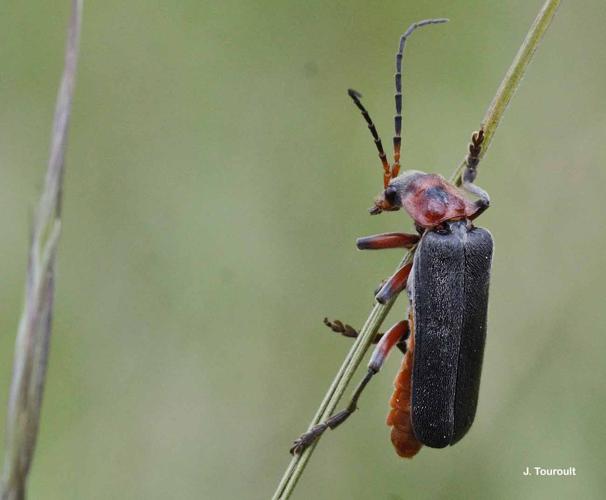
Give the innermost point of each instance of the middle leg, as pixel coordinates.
(394, 285)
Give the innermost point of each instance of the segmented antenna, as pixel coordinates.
(397, 139)
(355, 95)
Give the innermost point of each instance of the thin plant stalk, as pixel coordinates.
(378, 313)
(33, 335)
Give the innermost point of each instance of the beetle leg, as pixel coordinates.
(349, 331)
(387, 240)
(394, 285)
(394, 336)
(470, 173)
(386, 344)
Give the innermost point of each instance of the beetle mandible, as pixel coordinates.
(436, 389)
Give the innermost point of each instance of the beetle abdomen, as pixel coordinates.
(449, 298)
(402, 435)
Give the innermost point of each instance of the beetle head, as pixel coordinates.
(392, 197)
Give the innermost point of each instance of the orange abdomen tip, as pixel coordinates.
(402, 435)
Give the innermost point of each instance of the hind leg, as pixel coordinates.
(388, 341)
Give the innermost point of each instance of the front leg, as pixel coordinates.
(470, 173)
(387, 240)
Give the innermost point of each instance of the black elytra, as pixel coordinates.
(448, 290)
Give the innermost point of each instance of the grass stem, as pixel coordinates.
(34, 332)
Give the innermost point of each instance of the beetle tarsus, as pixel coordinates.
(473, 156)
(316, 431)
(470, 173)
(475, 147)
(339, 327)
(308, 438)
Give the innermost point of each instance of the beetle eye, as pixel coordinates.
(442, 229)
(391, 195)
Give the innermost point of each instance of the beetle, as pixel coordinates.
(436, 389)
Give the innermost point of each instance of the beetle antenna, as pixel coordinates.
(397, 139)
(355, 95)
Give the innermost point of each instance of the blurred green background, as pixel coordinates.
(217, 178)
